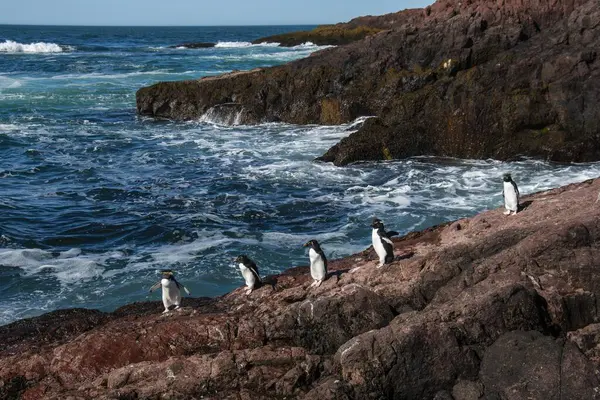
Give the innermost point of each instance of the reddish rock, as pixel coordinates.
(504, 307)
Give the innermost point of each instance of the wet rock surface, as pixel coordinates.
(503, 308)
(472, 79)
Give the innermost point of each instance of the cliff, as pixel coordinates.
(488, 307)
(472, 79)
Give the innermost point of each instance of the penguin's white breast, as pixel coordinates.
(510, 195)
(247, 274)
(377, 243)
(314, 256)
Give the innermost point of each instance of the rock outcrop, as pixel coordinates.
(471, 79)
(342, 33)
(334, 35)
(490, 307)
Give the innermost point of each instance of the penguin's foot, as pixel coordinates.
(313, 284)
(318, 283)
(514, 213)
(177, 307)
(507, 212)
(380, 265)
(166, 311)
(353, 270)
(248, 291)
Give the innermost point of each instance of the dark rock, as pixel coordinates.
(467, 390)
(475, 79)
(194, 45)
(528, 365)
(54, 327)
(503, 308)
(336, 35)
(443, 395)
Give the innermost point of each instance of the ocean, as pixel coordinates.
(95, 200)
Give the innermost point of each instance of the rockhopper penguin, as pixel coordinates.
(318, 262)
(249, 271)
(383, 245)
(171, 293)
(511, 195)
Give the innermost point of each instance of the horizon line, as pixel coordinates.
(169, 26)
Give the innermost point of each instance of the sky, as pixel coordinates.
(194, 12)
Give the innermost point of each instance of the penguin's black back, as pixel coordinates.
(251, 265)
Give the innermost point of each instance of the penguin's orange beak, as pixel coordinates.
(306, 244)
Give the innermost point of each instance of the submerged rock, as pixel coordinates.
(194, 45)
(476, 79)
(504, 307)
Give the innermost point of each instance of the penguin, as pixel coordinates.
(318, 262)
(511, 195)
(249, 271)
(171, 293)
(383, 245)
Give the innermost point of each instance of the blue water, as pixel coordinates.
(94, 199)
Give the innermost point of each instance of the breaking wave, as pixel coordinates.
(10, 46)
(244, 44)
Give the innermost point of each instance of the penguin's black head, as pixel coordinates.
(507, 178)
(312, 243)
(377, 224)
(167, 273)
(242, 259)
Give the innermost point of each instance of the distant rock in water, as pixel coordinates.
(502, 308)
(322, 36)
(197, 45)
(472, 79)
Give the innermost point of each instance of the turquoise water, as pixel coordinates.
(94, 199)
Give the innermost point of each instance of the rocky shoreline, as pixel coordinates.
(475, 79)
(488, 307)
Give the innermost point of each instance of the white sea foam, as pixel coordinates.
(10, 46)
(308, 45)
(7, 82)
(221, 116)
(96, 76)
(8, 127)
(68, 267)
(273, 56)
(244, 44)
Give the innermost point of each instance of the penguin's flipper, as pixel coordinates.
(388, 245)
(392, 233)
(254, 269)
(387, 240)
(322, 254)
(155, 286)
(186, 290)
(516, 190)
